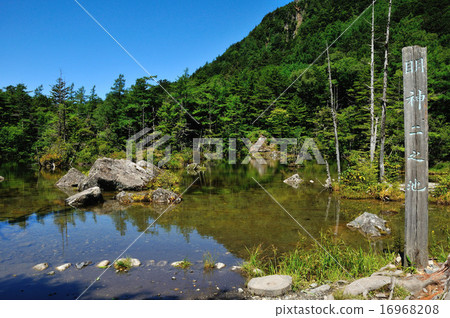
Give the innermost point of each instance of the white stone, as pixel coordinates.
(236, 268)
(219, 265)
(63, 267)
(313, 285)
(312, 181)
(176, 264)
(103, 264)
(161, 263)
(273, 285)
(40, 267)
(240, 290)
(135, 262)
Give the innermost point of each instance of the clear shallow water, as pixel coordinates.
(224, 213)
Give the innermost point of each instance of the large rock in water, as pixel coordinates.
(113, 174)
(370, 224)
(71, 179)
(87, 197)
(273, 285)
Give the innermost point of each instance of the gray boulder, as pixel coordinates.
(273, 285)
(71, 179)
(366, 284)
(85, 198)
(165, 196)
(113, 174)
(370, 225)
(294, 181)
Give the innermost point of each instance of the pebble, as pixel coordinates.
(257, 271)
(51, 273)
(63, 267)
(103, 264)
(40, 267)
(174, 278)
(151, 262)
(312, 181)
(380, 295)
(236, 268)
(161, 263)
(240, 290)
(219, 265)
(313, 285)
(198, 289)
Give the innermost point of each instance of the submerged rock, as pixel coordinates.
(87, 197)
(370, 224)
(113, 174)
(273, 285)
(294, 181)
(71, 179)
(63, 267)
(82, 264)
(161, 263)
(40, 267)
(51, 273)
(165, 196)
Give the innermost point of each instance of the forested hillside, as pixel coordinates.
(74, 125)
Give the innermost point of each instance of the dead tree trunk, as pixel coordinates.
(373, 136)
(383, 108)
(333, 114)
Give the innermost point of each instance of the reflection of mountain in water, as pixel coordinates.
(226, 205)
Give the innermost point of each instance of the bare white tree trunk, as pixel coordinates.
(333, 114)
(373, 136)
(383, 108)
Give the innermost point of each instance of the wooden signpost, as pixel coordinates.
(415, 96)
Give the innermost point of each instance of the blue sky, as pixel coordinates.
(40, 38)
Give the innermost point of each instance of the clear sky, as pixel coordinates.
(40, 38)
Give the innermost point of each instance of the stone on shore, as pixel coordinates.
(63, 267)
(294, 181)
(87, 197)
(40, 267)
(165, 196)
(103, 264)
(273, 285)
(320, 290)
(113, 174)
(370, 225)
(366, 284)
(71, 179)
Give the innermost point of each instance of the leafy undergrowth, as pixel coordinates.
(328, 260)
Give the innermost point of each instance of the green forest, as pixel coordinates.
(73, 125)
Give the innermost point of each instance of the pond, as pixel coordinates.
(223, 214)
